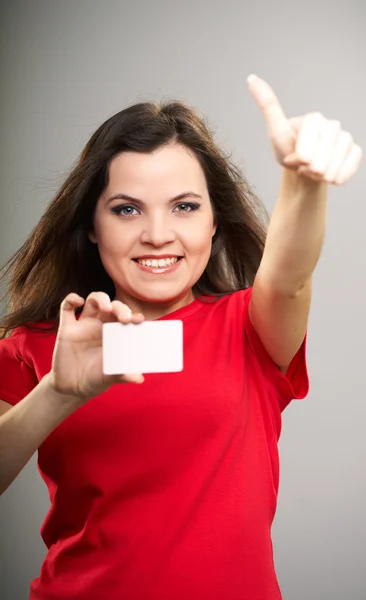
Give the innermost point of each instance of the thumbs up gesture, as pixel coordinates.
(315, 147)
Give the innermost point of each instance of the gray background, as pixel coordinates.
(68, 65)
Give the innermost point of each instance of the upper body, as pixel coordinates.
(170, 485)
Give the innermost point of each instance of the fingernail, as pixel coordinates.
(251, 78)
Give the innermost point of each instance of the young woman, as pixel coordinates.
(165, 490)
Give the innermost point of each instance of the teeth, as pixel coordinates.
(163, 262)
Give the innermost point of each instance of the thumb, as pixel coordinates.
(132, 378)
(278, 126)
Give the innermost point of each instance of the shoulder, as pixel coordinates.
(10, 346)
(232, 301)
(24, 340)
(227, 313)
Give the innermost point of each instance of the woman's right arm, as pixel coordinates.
(25, 426)
(76, 376)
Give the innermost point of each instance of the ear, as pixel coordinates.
(214, 229)
(91, 236)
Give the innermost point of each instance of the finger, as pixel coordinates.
(325, 146)
(132, 378)
(340, 153)
(296, 123)
(309, 174)
(278, 126)
(67, 308)
(124, 313)
(124, 378)
(137, 318)
(350, 165)
(294, 161)
(96, 303)
(119, 313)
(308, 137)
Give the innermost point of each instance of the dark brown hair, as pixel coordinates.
(58, 258)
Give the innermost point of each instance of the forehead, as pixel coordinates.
(169, 166)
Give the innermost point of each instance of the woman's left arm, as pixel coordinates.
(314, 152)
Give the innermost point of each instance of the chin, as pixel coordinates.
(159, 296)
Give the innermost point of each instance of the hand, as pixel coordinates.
(317, 148)
(77, 365)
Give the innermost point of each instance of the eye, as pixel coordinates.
(126, 210)
(118, 210)
(191, 206)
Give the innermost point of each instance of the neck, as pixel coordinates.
(153, 310)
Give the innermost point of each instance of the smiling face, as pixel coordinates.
(155, 205)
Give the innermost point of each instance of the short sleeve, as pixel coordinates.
(294, 385)
(17, 378)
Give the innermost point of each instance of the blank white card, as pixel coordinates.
(148, 347)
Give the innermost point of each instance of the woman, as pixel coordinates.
(165, 490)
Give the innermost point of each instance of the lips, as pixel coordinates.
(158, 263)
(158, 270)
(155, 257)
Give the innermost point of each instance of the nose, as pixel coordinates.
(157, 232)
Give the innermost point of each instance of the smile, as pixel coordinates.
(163, 262)
(158, 266)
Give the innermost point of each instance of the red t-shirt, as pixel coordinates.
(165, 490)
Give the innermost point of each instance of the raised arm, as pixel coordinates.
(314, 152)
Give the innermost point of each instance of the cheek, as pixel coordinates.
(112, 241)
(201, 239)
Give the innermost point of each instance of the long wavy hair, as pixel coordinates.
(58, 257)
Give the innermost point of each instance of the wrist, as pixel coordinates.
(296, 184)
(67, 402)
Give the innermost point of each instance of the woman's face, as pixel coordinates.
(155, 206)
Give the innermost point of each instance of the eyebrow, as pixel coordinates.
(142, 203)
